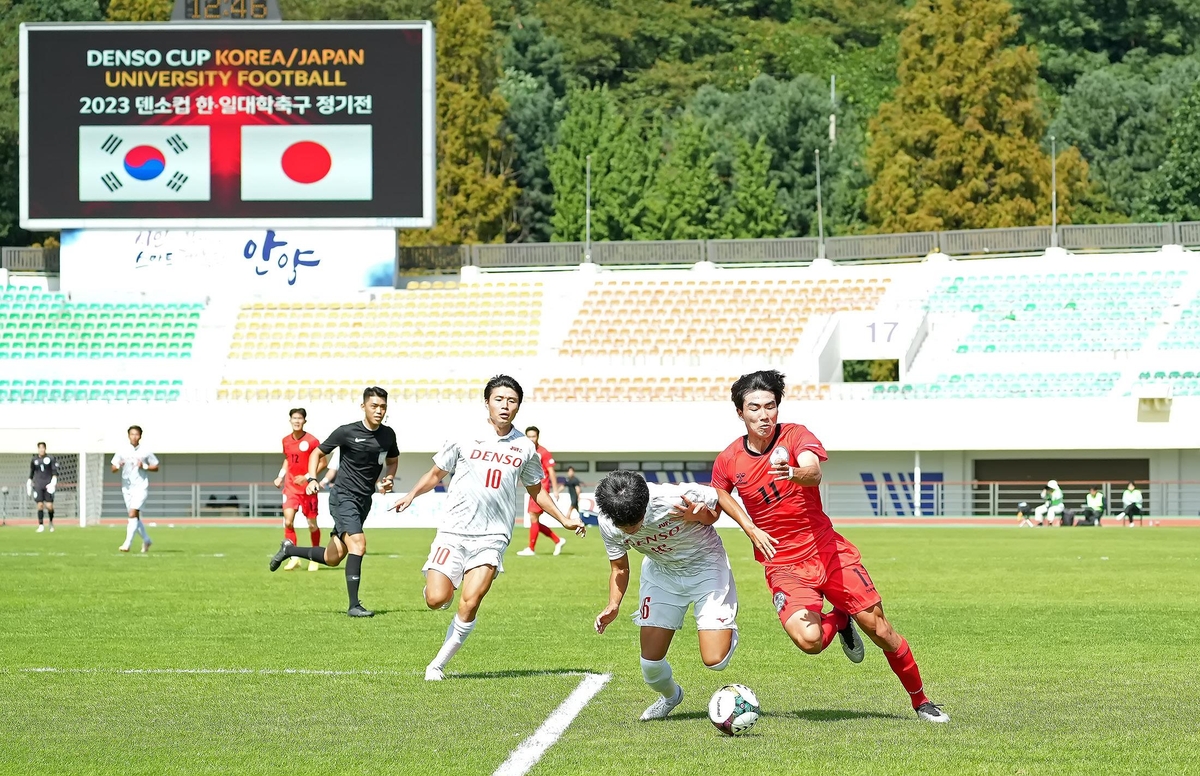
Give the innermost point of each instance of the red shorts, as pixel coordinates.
(836, 574)
(301, 501)
(534, 509)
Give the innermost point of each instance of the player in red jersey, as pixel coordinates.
(776, 470)
(293, 477)
(551, 486)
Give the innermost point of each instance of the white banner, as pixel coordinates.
(277, 263)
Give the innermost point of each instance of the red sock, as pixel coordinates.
(290, 534)
(315, 535)
(533, 532)
(905, 668)
(832, 622)
(546, 530)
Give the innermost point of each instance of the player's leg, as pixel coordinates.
(798, 601)
(130, 527)
(715, 609)
(41, 518)
(346, 520)
(141, 529)
(289, 530)
(314, 533)
(533, 514)
(660, 614)
(356, 548)
(443, 570)
(48, 501)
(476, 583)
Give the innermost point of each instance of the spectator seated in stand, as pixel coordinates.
(1131, 504)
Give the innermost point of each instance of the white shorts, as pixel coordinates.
(135, 498)
(665, 598)
(455, 554)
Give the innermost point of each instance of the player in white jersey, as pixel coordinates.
(490, 472)
(684, 564)
(133, 461)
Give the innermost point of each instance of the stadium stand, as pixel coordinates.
(405, 389)
(89, 390)
(1057, 312)
(641, 389)
(42, 324)
(459, 321)
(631, 317)
(997, 385)
(1185, 334)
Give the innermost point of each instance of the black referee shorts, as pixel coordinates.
(348, 512)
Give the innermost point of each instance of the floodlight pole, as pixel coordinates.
(1053, 193)
(820, 214)
(587, 219)
(917, 483)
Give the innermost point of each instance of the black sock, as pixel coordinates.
(312, 553)
(40, 521)
(353, 574)
(50, 516)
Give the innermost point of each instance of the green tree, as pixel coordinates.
(619, 199)
(1118, 118)
(139, 10)
(793, 118)
(589, 126)
(754, 210)
(1077, 36)
(959, 145)
(683, 201)
(475, 190)
(1173, 190)
(356, 10)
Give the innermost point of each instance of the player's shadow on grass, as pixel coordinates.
(810, 715)
(521, 673)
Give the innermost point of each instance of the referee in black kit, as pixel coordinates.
(367, 447)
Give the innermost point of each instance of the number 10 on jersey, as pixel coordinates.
(492, 478)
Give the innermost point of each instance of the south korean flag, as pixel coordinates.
(144, 164)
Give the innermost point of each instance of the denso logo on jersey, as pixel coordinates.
(487, 456)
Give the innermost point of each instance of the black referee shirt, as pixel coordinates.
(363, 455)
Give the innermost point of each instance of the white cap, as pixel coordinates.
(1052, 484)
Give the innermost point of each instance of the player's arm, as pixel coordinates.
(555, 488)
(758, 537)
(53, 476)
(150, 464)
(546, 502)
(389, 474)
(331, 470)
(282, 472)
(29, 482)
(116, 462)
(428, 482)
(807, 470)
(618, 583)
(316, 461)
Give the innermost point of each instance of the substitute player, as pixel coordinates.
(366, 447)
(293, 477)
(42, 482)
(491, 469)
(550, 485)
(133, 461)
(776, 468)
(684, 565)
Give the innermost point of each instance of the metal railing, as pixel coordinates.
(800, 250)
(29, 259)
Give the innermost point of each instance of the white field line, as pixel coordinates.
(525, 756)
(258, 671)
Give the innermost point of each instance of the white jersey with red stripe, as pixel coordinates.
(675, 545)
(488, 477)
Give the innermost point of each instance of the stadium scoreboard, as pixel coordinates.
(198, 124)
(226, 10)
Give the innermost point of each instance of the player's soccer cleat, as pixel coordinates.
(146, 547)
(558, 545)
(123, 548)
(852, 643)
(931, 712)
(663, 706)
(292, 564)
(526, 552)
(51, 529)
(359, 611)
(41, 528)
(313, 565)
(434, 674)
(278, 557)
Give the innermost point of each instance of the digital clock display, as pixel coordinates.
(226, 10)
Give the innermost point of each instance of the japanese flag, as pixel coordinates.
(143, 164)
(328, 162)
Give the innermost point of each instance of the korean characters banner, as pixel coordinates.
(203, 126)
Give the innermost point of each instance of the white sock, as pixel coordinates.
(657, 674)
(141, 529)
(130, 530)
(456, 634)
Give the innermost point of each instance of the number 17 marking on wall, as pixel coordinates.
(891, 331)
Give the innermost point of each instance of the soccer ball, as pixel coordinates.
(734, 709)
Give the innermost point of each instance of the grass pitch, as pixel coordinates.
(1053, 651)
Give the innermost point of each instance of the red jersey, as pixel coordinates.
(789, 512)
(547, 462)
(296, 453)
